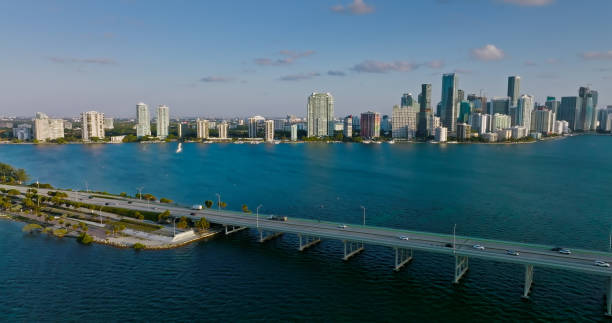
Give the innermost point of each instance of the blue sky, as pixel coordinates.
(239, 58)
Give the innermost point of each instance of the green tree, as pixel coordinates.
(165, 200)
(182, 223)
(245, 209)
(223, 205)
(13, 192)
(208, 203)
(162, 217)
(138, 246)
(85, 239)
(32, 227)
(138, 215)
(60, 233)
(202, 224)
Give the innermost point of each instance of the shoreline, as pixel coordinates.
(248, 141)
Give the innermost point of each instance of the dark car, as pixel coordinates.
(192, 213)
(277, 218)
(556, 249)
(448, 245)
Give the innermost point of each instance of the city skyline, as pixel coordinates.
(201, 58)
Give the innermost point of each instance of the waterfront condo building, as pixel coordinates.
(163, 121)
(449, 105)
(481, 122)
(255, 124)
(92, 125)
(404, 122)
(46, 128)
(542, 120)
(500, 121)
(320, 115)
(523, 112)
(269, 130)
(370, 125)
(143, 120)
(464, 131)
(500, 105)
(222, 128)
(348, 127)
(569, 110)
(440, 134)
(23, 132)
(294, 129)
(202, 128)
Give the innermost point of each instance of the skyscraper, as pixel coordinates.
(46, 128)
(348, 127)
(449, 102)
(222, 128)
(523, 112)
(294, 130)
(92, 125)
(514, 88)
(587, 110)
(320, 112)
(425, 112)
(269, 130)
(163, 121)
(407, 100)
(370, 125)
(465, 110)
(143, 121)
(569, 111)
(404, 122)
(202, 128)
(500, 105)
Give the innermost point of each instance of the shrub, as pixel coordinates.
(138, 246)
(85, 239)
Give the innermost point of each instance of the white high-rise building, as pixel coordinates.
(441, 134)
(519, 132)
(561, 127)
(46, 128)
(320, 114)
(542, 121)
(481, 122)
(255, 125)
(92, 125)
(348, 127)
(500, 121)
(163, 121)
(523, 112)
(269, 130)
(404, 121)
(202, 128)
(294, 130)
(143, 120)
(222, 128)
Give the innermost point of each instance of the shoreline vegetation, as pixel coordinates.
(46, 210)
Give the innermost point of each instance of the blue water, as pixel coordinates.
(553, 192)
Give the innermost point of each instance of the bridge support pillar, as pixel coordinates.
(229, 229)
(351, 248)
(528, 280)
(265, 237)
(307, 241)
(402, 257)
(461, 267)
(609, 298)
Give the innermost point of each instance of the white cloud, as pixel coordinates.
(435, 63)
(336, 73)
(216, 79)
(530, 3)
(370, 66)
(290, 57)
(72, 60)
(299, 77)
(357, 7)
(488, 53)
(596, 55)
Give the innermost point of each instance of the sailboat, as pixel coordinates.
(179, 148)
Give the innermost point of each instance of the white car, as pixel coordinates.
(478, 247)
(342, 226)
(513, 252)
(565, 251)
(601, 263)
(404, 238)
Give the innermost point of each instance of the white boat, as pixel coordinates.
(391, 141)
(179, 148)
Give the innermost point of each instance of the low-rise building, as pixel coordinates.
(489, 137)
(519, 132)
(23, 132)
(116, 139)
(464, 131)
(441, 134)
(504, 134)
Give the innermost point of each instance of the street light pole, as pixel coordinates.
(364, 212)
(174, 227)
(257, 211)
(139, 189)
(218, 202)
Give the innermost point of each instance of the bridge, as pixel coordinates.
(402, 243)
